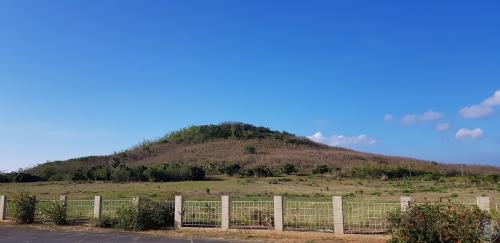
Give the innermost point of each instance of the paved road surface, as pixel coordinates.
(20, 234)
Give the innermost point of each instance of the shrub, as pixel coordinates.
(321, 169)
(249, 150)
(4, 178)
(26, 177)
(289, 169)
(438, 223)
(231, 169)
(146, 214)
(105, 221)
(114, 162)
(55, 211)
(195, 173)
(262, 171)
(24, 208)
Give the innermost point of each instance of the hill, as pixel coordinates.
(213, 146)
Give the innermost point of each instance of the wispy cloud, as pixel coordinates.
(441, 127)
(388, 118)
(341, 140)
(466, 133)
(476, 111)
(482, 110)
(427, 116)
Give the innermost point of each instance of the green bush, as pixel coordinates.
(439, 222)
(262, 171)
(24, 208)
(289, 169)
(249, 150)
(105, 221)
(231, 169)
(146, 214)
(321, 169)
(55, 211)
(195, 173)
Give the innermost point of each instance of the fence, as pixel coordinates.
(203, 214)
(252, 214)
(110, 207)
(293, 215)
(368, 217)
(308, 216)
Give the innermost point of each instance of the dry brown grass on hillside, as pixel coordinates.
(271, 153)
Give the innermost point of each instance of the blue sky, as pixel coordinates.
(92, 77)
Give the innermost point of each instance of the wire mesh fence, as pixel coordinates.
(204, 214)
(80, 210)
(368, 217)
(10, 210)
(169, 207)
(252, 214)
(308, 216)
(40, 205)
(110, 207)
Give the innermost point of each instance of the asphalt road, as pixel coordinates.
(19, 235)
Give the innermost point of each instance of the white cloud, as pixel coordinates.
(469, 133)
(493, 100)
(476, 111)
(341, 140)
(431, 116)
(442, 127)
(427, 116)
(482, 110)
(409, 119)
(317, 137)
(388, 118)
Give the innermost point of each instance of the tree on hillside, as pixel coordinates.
(114, 162)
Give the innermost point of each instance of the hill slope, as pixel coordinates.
(225, 143)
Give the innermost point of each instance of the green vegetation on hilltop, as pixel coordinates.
(228, 130)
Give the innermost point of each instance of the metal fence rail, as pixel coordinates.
(368, 217)
(204, 214)
(80, 210)
(308, 216)
(110, 207)
(252, 214)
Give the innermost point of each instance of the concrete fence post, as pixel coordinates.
(338, 215)
(405, 203)
(3, 207)
(97, 207)
(483, 203)
(178, 212)
(135, 202)
(278, 213)
(226, 212)
(64, 202)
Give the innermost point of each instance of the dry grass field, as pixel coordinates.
(307, 187)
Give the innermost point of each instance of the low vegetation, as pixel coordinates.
(439, 222)
(24, 208)
(145, 214)
(55, 212)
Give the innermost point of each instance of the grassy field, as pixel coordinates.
(309, 187)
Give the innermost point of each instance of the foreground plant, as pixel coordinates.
(24, 205)
(440, 222)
